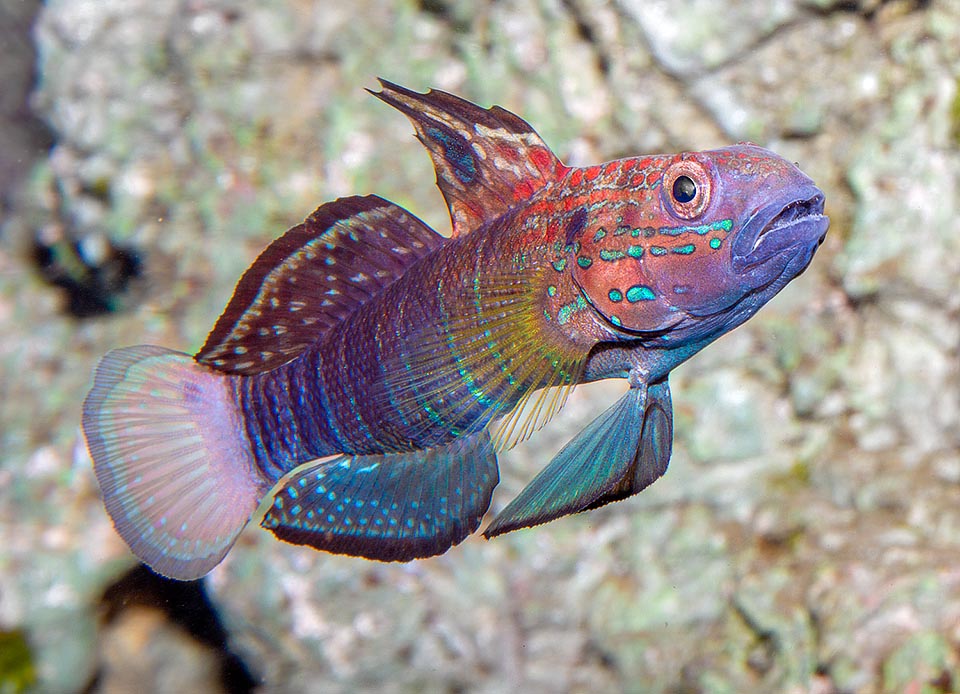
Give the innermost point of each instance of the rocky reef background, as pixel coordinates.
(807, 535)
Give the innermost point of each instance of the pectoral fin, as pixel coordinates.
(620, 453)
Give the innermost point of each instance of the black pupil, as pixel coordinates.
(684, 189)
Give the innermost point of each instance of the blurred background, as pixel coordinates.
(807, 535)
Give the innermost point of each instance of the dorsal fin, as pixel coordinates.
(311, 278)
(487, 160)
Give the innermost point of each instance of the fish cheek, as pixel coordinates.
(620, 290)
(699, 284)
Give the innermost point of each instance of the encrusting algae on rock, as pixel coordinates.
(412, 358)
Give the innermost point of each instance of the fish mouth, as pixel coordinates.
(780, 226)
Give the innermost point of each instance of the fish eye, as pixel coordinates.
(686, 188)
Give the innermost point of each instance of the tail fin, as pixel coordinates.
(168, 450)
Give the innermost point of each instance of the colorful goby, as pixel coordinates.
(367, 370)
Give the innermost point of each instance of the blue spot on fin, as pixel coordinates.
(620, 453)
(456, 151)
(389, 507)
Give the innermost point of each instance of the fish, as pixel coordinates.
(367, 370)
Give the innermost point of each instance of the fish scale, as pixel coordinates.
(367, 370)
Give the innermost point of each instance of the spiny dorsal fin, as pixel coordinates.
(487, 160)
(311, 278)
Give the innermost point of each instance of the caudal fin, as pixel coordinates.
(176, 475)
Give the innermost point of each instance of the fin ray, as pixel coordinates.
(486, 359)
(175, 476)
(621, 452)
(388, 507)
(311, 278)
(487, 160)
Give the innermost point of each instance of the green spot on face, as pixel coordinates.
(621, 230)
(601, 232)
(635, 251)
(615, 321)
(585, 262)
(615, 295)
(559, 265)
(715, 243)
(685, 250)
(635, 233)
(640, 292)
(608, 255)
(551, 290)
(725, 224)
(658, 250)
(566, 311)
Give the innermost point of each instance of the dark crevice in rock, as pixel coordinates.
(94, 282)
(586, 32)
(186, 605)
(868, 9)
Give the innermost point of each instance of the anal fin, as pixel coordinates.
(389, 507)
(620, 453)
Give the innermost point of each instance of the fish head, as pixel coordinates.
(709, 238)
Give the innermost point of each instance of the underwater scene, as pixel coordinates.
(447, 346)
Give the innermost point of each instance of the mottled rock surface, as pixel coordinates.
(807, 535)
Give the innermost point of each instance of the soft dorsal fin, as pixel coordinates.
(311, 278)
(487, 160)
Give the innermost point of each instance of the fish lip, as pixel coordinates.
(800, 213)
